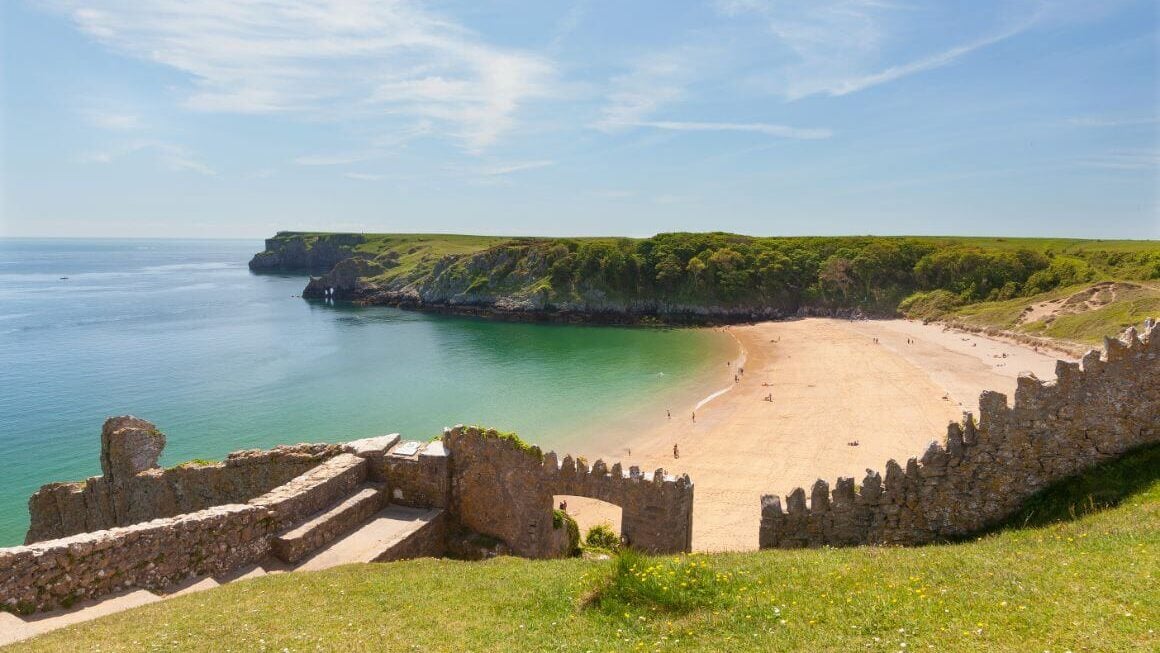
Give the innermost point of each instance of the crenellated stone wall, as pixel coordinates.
(134, 489)
(504, 489)
(982, 473)
(471, 478)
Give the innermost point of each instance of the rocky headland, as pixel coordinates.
(700, 278)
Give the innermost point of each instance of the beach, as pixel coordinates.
(818, 398)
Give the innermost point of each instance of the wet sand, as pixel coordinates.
(831, 384)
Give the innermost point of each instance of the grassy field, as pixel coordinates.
(1075, 321)
(1084, 578)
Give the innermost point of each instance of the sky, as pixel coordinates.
(222, 118)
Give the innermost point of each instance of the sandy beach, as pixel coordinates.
(891, 386)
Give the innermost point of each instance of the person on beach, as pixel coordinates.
(676, 452)
(669, 414)
(694, 415)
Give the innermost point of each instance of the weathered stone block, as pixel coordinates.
(129, 445)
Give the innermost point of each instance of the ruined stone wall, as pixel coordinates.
(156, 554)
(420, 479)
(983, 473)
(133, 489)
(656, 509)
(315, 489)
(505, 490)
(150, 555)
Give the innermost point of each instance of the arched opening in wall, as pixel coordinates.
(590, 512)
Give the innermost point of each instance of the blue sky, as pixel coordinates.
(218, 118)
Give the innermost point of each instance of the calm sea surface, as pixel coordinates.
(181, 333)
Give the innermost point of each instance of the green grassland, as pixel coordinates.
(1076, 322)
(1076, 570)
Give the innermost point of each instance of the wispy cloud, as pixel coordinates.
(837, 47)
(336, 159)
(1090, 121)
(613, 193)
(1124, 160)
(170, 155)
(779, 131)
(364, 176)
(384, 61)
(652, 82)
(508, 168)
(113, 120)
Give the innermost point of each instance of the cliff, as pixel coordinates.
(691, 278)
(290, 251)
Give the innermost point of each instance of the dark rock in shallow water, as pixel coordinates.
(346, 280)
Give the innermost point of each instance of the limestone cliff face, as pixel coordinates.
(288, 251)
(511, 280)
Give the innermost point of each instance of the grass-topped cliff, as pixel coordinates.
(1070, 573)
(712, 276)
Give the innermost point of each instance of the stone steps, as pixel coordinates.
(395, 532)
(326, 526)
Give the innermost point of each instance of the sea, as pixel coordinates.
(181, 333)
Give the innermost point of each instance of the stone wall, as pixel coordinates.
(503, 488)
(133, 489)
(420, 479)
(156, 554)
(657, 509)
(151, 555)
(983, 473)
(317, 488)
(479, 480)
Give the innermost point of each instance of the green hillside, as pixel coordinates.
(1074, 577)
(713, 276)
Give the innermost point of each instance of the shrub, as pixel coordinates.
(929, 305)
(601, 536)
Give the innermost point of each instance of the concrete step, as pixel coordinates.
(324, 527)
(395, 529)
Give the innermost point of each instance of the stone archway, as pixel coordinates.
(589, 512)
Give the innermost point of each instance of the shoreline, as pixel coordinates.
(832, 385)
(737, 363)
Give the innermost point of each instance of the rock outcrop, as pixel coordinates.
(290, 251)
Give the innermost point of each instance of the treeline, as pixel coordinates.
(873, 273)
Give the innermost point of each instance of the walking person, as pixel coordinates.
(676, 452)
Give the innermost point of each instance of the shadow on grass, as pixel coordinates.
(1101, 487)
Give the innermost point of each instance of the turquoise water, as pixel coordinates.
(182, 334)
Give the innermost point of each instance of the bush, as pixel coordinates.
(601, 536)
(930, 305)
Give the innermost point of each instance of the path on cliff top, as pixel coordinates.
(831, 385)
